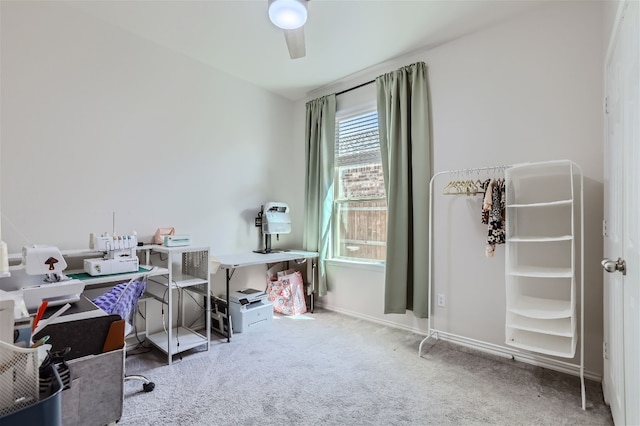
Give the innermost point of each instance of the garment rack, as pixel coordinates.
(514, 353)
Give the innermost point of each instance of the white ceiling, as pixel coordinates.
(343, 37)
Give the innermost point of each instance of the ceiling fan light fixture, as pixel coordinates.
(288, 14)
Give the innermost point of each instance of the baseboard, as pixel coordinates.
(514, 354)
(490, 348)
(372, 319)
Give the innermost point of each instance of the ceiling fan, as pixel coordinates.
(290, 15)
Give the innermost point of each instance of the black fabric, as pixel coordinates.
(83, 337)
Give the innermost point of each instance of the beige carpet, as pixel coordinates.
(329, 369)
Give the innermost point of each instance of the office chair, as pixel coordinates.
(122, 300)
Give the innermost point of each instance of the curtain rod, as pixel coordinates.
(355, 87)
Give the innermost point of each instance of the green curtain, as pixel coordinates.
(405, 144)
(319, 152)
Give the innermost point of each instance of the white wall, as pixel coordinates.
(527, 90)
(97, 120)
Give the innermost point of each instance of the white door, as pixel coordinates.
(621, 381)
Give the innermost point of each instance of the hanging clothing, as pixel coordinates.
(487, 187)
(493, 213)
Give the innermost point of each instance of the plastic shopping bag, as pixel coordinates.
(286, 292)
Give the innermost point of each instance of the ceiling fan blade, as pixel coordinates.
(295, 42)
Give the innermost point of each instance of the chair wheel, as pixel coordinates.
(148, 387)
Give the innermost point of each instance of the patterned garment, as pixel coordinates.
(487, 187)
(496, 216)
(121, 299)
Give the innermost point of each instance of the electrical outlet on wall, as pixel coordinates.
(442, 300)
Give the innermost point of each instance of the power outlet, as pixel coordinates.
(442, 300)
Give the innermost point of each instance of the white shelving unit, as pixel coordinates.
(187, 270)
(544, 258)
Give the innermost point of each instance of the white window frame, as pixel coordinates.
(342, 115)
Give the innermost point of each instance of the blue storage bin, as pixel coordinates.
(46, 412)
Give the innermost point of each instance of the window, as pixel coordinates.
(360, 205)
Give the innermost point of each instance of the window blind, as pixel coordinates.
(357, 140)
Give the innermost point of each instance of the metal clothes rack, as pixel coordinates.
(513, 352)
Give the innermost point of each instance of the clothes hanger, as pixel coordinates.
(446, 190)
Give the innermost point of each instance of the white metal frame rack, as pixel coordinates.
(515, 350)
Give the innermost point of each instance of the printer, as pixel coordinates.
(249, 308)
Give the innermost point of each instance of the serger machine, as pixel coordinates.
(119, 255)
(273, 219)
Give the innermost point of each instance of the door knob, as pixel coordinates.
(614, 265)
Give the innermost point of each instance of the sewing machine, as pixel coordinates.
(57, 289)
(273, 219)
(119, 255)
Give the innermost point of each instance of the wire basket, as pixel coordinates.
(196, 264)
(19, 378)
